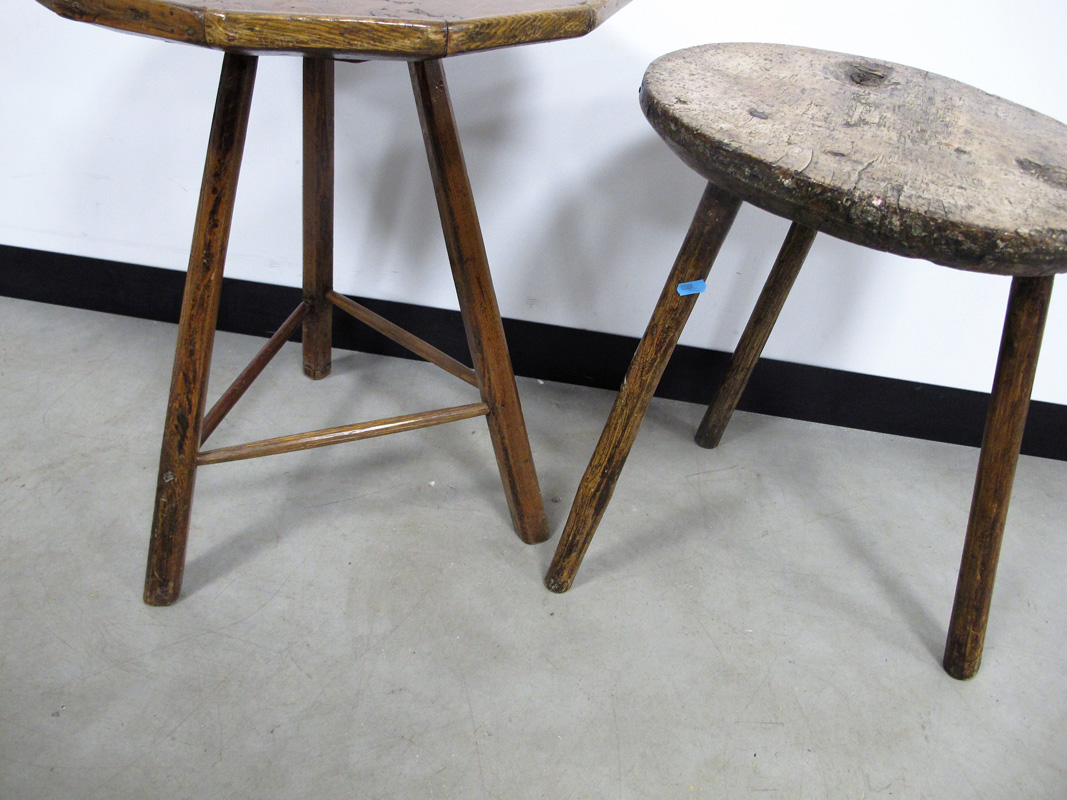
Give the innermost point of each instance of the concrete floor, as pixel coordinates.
(763, 620)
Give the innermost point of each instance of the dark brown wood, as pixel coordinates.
(706, 234)
(196, 332)
(347, 28)
(477, 301)
(341, 434)
(768, 307)
(318, 215)
(324, 30)
(404, 338)
(248, 375)
(1020, 345)
(879, 154)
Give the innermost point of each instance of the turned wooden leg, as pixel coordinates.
(477, 301)
(764, 315)
(196, 332)
(706, 234)
(318, 214)
(1024, 325)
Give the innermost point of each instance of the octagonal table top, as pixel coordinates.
(405, 29)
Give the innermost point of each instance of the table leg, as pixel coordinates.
(1024, 325)
(706, 234)
(318, 214)
(477, 301)
(196, 332)
(764, 315)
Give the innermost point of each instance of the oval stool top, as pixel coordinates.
(879, 154)
(347, 28)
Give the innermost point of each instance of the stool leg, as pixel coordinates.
(1024, 325)
(318, 214)
(764, 315)
(477, 301)
(196, 332)
(706, 234)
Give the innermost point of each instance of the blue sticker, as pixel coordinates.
(693, 287)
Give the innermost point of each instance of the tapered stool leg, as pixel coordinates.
(1024, 325)
(318, 214)
(477, 301)
(750, 346)
(196, 332)
(706, 234)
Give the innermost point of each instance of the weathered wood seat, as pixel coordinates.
(881, 155)
(422, 34)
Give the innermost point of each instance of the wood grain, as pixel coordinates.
(341, 434)
(768, 307)
(477, 301)
(420, 32)
(1024, 326)
(706, 234)
(348, 28)
(318, 145)
(196, 332)
(878, 154)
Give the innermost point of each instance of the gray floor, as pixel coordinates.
(764, 620)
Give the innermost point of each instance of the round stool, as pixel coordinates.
(881, 155)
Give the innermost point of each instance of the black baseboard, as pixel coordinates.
(548, 352)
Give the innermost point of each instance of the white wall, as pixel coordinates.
(583, 208)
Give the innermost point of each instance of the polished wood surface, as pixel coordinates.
(477, 300)
(196, 332)
(187, 427)
(318, 128)
(341, 434)
(348, 28)
(422, 33)
(879, 154)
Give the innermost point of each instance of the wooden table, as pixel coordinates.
(322, 31)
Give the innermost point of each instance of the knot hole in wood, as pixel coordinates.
(869, 76)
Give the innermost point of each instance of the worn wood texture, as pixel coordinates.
(706, 234)
(768, 307)
(196, 332)
(1024, 325)
(477, 300)
(885, 156)
(348, 28)
(879, 154)
(318, 118)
